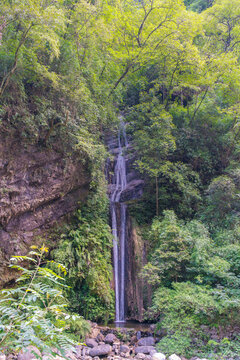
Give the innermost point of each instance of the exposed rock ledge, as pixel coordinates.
(37, 188)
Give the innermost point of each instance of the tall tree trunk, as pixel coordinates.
(157, 204)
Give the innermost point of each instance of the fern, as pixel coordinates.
(35, 312)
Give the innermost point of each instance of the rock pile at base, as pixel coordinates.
(106, 344)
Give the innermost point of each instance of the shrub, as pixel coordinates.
(35, 311)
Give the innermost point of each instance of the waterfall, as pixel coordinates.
(119, 214)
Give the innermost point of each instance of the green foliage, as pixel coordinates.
(198, 5)
(223, 349)
(171, 254)
(223, 20)
(66, 67)
(95, 308)
(196, 281)
(222, 202)
(185, 310)
(35, 312)
(152, 135)
(85, 250)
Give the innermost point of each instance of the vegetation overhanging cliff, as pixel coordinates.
(66, 69)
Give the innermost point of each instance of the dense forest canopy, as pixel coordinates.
(67, 68)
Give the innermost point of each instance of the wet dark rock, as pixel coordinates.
(144, 349)
(100, 350)
(91, 343)
(110, 338)
(147, 341)
(133, 191)
(124, 348)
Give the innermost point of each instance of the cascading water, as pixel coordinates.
(119, 214)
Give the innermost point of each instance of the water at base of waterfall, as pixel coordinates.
(130, 325)
(119, 215)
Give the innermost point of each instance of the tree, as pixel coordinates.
(142, 29)
(198, 5)
(30, 22)
(171, 251)
(222, 26)
(153, 139)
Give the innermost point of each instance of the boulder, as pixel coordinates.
(158, 356)
(110, 338)
(31, 352)
(116, 351)
(100, 350)
(91, 343)
(144, 349)
(133, 340)
(95, 332)
(85, 350)
(78, 350)
(140, 356)
(124, 348)
(122, 355)
(117, 342)
(174, 357)
(146, 341)
(70, 355)
(100, 337)
(51, 357)
(153, 352)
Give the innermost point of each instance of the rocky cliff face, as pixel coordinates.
(138, 292)
(38, 187)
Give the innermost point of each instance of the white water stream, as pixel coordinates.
(119, 224)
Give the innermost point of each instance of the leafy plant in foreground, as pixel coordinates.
(34, 312)
(86, 252)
